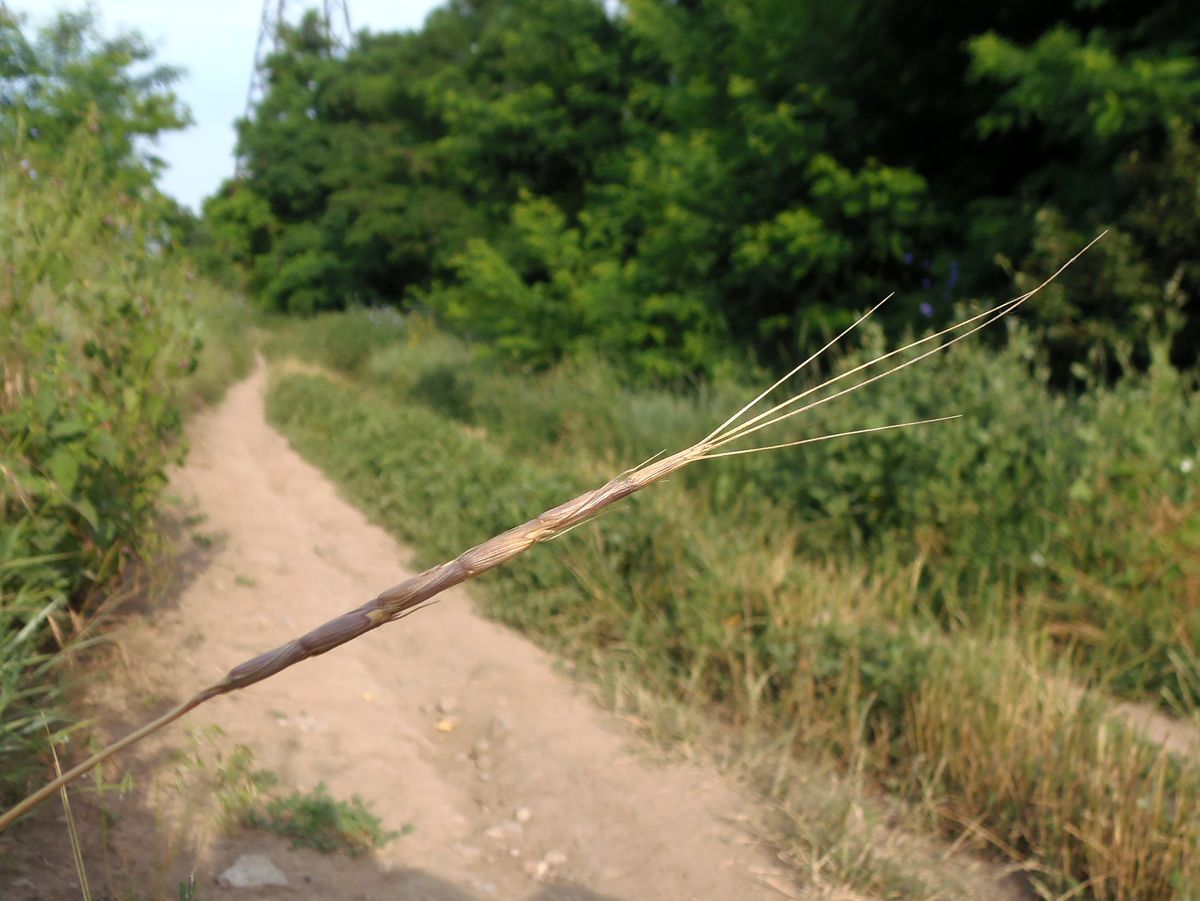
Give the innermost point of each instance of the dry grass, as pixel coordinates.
(731, 604)
(978, 732)
(999, 743)
(828, 824)
(72, 832)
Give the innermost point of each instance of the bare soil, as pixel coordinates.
(516, 785)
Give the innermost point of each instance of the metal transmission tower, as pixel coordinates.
(335, 18)
(337, 23)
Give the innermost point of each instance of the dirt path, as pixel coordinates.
(516, 785)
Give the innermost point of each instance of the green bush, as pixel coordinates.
(316, 820)
(1068, 512)
(339, 341)
(731, 610)
(913, 605)
(100, 335)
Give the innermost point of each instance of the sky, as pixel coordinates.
(214, 41)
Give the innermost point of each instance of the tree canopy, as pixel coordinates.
(677, 182)
(67, 75)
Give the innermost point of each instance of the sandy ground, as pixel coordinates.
(515, 784)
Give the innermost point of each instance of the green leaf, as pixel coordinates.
(105, 447)
(69, 428)
(88, 512)
(44, 405)
(63, 467)
(1080, 491)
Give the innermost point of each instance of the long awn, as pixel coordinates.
(422, 589)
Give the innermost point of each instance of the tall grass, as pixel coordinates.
(102, 349)
(1079, 510)
(936, 676)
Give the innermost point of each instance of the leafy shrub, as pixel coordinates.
(1066, 511)
(316, 820)
(339, 341)
(99, 337)
(96, 345)
(729, 609)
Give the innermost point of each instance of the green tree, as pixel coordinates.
(1116, 117)
(681, 181)
(68, 75)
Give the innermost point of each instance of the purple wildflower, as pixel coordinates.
(927, 310)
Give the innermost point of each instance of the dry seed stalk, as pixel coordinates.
(408, 596)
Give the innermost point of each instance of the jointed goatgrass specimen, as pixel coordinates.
(410, 595)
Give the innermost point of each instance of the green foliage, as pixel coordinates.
(95, 350)
(94, 358)
(206, 770)
(238, 227)
(1066, 500)
(909, 603)
(550, 298)
(316, 820)
(1084, 89)
(69, 76)
(1120, 112)
(28, 688)
(677, 185)
(583, 238)
(340, 341)
(1082, 505)
(100, 353)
